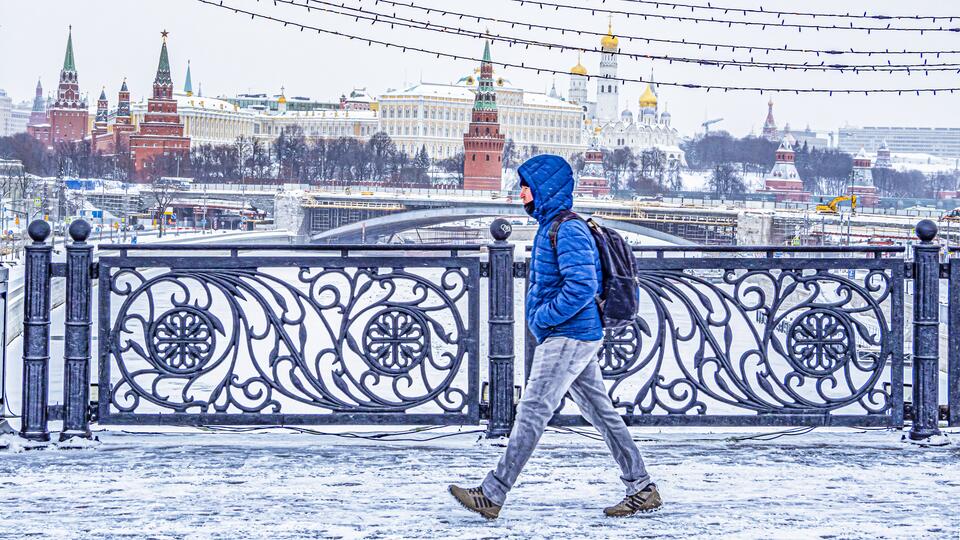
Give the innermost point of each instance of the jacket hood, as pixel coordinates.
(551, 182)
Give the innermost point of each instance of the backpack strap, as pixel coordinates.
(563, 217)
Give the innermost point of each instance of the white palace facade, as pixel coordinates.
(436, 115)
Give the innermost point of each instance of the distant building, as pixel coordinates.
(6, 112)
(264, 102)
(940, 142)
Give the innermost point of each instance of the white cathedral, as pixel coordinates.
(648, 129)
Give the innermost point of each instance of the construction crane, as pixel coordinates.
(706, 125)
(831, 207)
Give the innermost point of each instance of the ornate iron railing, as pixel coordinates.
(953, 339)
(288, 339)
(779, 339)
(386, 334)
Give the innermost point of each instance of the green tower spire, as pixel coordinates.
(163, 69)
(188, 84)
(68, 63)
(486, 98)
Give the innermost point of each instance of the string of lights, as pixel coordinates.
(540, 70)
(730, 22)
(683, 42)
(394, 20)
(779, 13)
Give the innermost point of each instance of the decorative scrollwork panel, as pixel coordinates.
(296, 337)
(766, 338)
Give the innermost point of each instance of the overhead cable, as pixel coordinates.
(524, 66)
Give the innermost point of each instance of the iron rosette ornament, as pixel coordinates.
(785, 341)
(289, 340)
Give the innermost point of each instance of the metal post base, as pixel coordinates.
(80, 434)
(5, 428)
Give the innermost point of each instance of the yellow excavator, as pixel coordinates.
(952, 215)
(831, 207)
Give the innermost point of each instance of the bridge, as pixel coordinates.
(326, 217)
(355, 216)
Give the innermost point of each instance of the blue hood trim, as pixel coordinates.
(551, 182)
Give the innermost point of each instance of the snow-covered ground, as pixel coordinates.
(847, 484)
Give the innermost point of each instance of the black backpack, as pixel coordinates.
(617, 298)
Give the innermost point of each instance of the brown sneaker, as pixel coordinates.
(474, 499)
(646, 500)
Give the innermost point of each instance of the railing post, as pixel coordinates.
(500, 330)
(76, 348)
(36, 333)
(926, 330)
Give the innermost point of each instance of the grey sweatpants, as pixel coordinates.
(559, 365)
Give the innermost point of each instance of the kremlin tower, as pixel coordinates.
(770, 126)
(784, 181)
(38, 115)
(67, 118)
(884, 160)
(161, 132)
(483, 142)
(608, 88)
(123, 124)
(100, 122)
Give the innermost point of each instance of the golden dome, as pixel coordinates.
(648, 99)
(282, 99)
(578, 69)
(610, 42)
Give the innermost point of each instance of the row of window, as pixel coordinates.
(431, 113)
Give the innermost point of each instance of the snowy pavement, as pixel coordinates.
(841, 483)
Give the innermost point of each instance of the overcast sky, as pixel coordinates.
(231, 53)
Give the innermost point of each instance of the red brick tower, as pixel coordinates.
(123, 126)
(39, 125)
(99, 132)
(160, 141)
(38, 115)
(483, 142)
(68, 116)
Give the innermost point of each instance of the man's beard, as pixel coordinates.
(528, 208)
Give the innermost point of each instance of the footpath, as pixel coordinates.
(330, 483)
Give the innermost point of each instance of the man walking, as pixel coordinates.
(563, 316)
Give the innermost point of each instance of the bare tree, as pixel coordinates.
(164, 191)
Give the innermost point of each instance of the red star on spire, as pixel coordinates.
(164, 35)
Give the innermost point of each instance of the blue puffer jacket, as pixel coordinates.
(563, 282)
